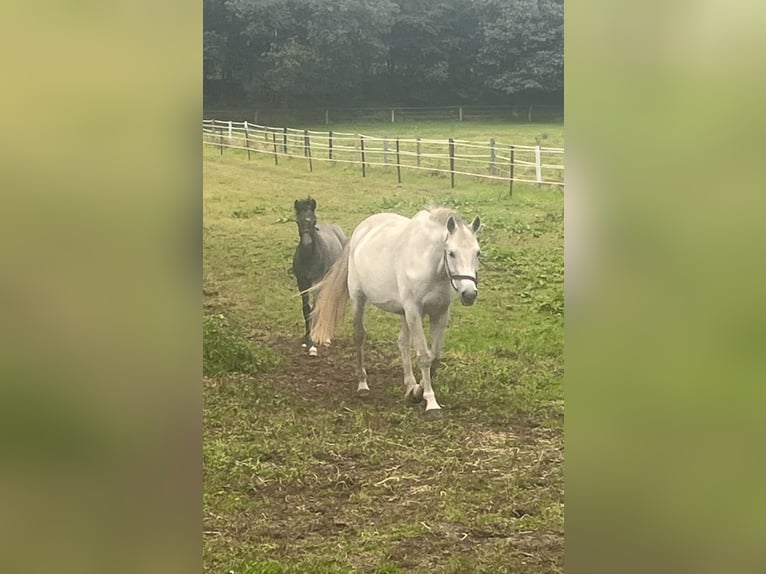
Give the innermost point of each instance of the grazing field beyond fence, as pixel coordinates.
(517, 114)
(300, 474)
(490, 160)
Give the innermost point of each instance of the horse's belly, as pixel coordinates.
(389, 305)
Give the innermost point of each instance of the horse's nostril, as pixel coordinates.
(468, 297)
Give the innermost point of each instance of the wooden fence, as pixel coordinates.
(492, 160)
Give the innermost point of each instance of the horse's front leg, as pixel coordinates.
(438, 328)
(415, 324)
(307, 342)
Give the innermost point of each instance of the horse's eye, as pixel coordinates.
(451, 253)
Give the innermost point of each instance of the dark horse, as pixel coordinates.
(320, 246)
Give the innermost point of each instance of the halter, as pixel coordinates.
(453, 276)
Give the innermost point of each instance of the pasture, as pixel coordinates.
(300, 475)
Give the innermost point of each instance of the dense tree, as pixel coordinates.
(336, 52)
(523, 45)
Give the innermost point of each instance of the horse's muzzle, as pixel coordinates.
(468, 296)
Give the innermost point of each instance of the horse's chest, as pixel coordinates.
(436, 301)
(308, 268)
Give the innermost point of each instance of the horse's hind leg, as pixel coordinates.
(357, 309)
(438, 327)
(412, 390)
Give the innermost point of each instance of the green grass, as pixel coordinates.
(300, 475)
(225, 351)
(548, 135)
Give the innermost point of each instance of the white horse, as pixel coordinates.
(411, 267)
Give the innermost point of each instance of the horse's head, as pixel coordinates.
(461, 258)
(306, 218)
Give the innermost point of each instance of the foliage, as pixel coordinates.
(225, 351)
(523, 47)
(400, 51)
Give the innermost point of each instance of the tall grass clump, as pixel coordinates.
(225, 350)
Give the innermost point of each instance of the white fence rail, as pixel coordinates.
(493, 161)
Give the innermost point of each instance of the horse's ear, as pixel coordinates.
(313, 204)
(295, 205)
(451, 225)
(476, 224)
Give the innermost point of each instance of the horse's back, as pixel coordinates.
(372, 258)
(381, 223)
(333, 239)
(342, 239)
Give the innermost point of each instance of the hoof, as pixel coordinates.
(313, 352)
(363, 393)
(414, 393)
(327, 343)
(303, 345)
(433, 414)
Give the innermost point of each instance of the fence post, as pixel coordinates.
(255, 117)
(492, 156)
(385, 149)
(529, 114)
(398, 163)
(220, 139)
(230, 132)
(361, 142)
(274, 140)
(417, 152)
(307, 148)
(460, 113)
(452, 162)
(326, 116)
(329, 145)
(284, 140)
(393, 116)
(510, 178)
(247, 140)
(538, 166)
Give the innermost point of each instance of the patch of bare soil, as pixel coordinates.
(331, 377)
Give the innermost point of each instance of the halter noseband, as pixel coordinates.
(453, 276)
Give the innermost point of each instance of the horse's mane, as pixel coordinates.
(442, 214)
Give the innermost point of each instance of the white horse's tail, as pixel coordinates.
(332, 297)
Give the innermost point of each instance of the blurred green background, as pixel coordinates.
(664, 305)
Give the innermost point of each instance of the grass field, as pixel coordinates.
(301, 475)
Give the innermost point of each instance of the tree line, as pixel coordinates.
(326, 53)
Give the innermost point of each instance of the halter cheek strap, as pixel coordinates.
(453, 276)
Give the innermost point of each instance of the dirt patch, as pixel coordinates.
(330, 379)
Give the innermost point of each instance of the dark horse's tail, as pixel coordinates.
(332, 297)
